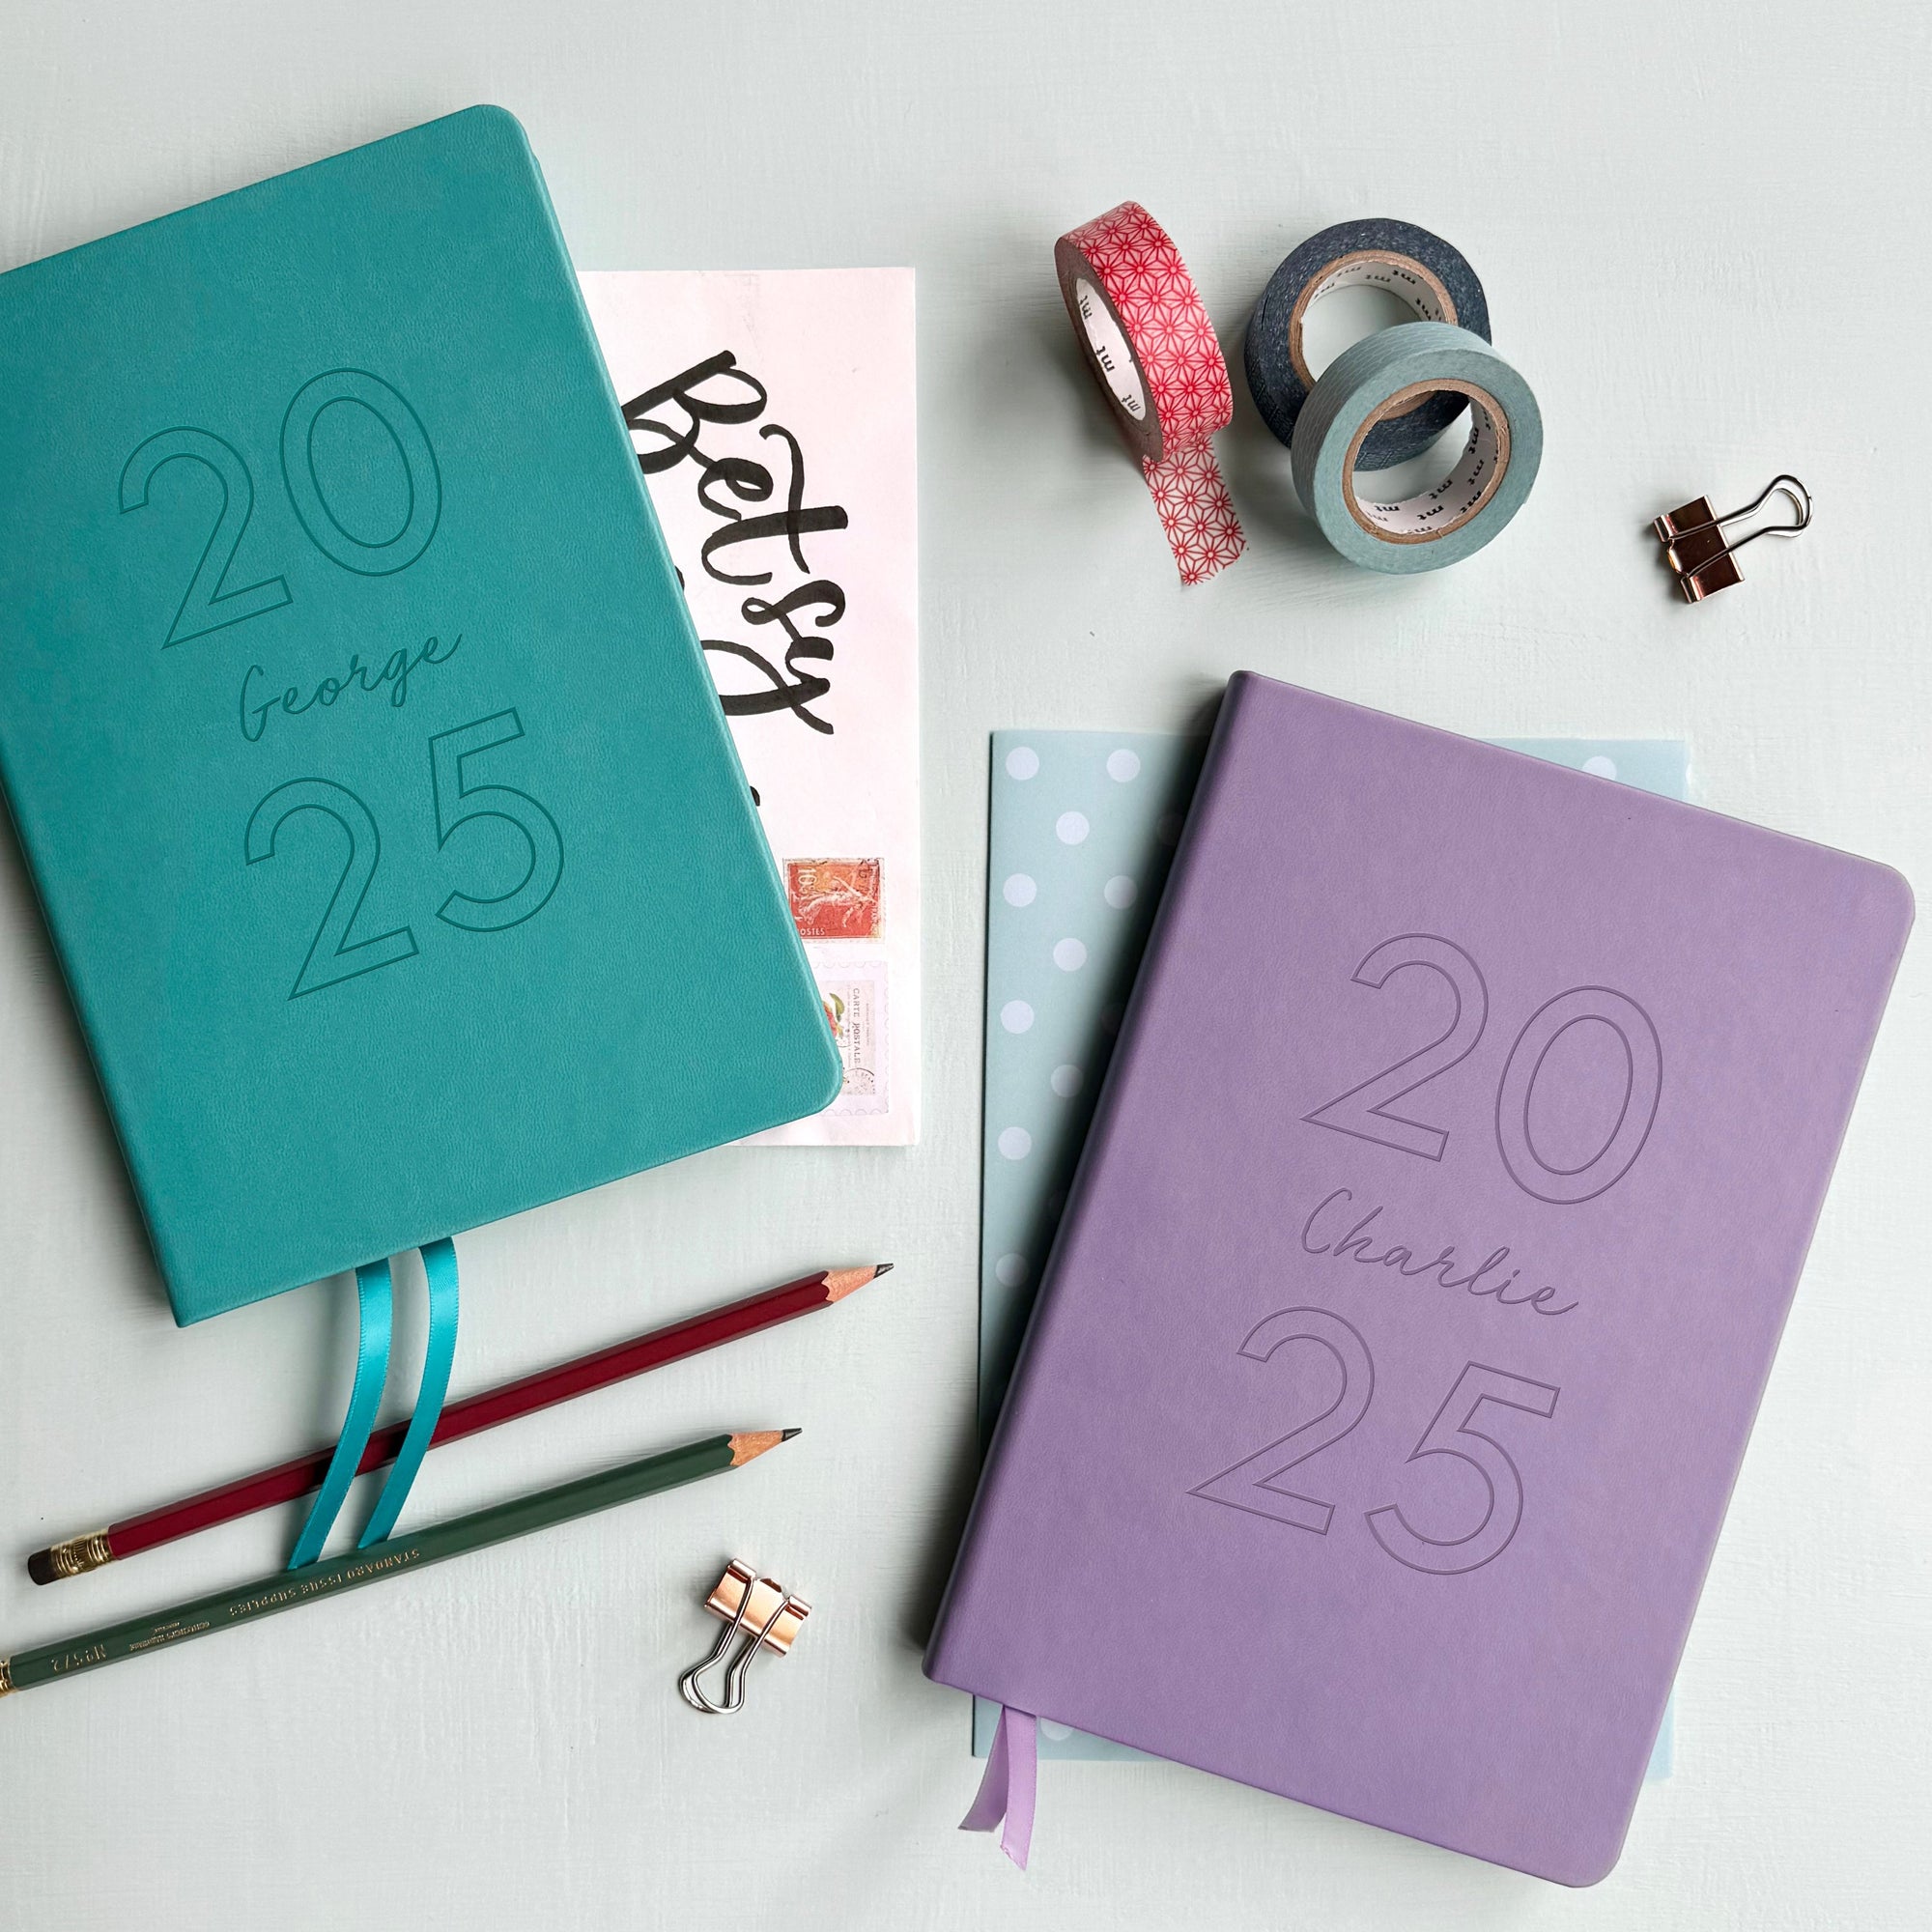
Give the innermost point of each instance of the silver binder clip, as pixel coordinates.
(768, 1614)
(1700, 556)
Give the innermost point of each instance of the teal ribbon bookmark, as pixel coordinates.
(375, 1304)
(438, 1354)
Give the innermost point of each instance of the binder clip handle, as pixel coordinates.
(1696, 547)
(767, 1614)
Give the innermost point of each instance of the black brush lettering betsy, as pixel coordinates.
(718, 395)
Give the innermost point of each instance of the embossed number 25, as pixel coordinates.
(334, 956)
(1253, 1484)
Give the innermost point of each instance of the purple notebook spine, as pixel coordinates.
(962, 1589)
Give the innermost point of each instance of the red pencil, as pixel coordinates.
(524, 1397)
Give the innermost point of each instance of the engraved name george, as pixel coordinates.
(259, 702)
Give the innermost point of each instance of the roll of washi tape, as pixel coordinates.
(1420, 270)
(1149, 339)
(1374, 380)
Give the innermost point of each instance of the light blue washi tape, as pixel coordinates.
(1381, 377)
(375, 1294)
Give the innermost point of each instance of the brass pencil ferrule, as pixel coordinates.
(5, 1675)
(79, 1555)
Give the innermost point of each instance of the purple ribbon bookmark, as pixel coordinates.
(1008, 1789)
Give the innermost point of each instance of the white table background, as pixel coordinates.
(1703, 232)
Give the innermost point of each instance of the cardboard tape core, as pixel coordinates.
(1417, 288)
(1471, 482)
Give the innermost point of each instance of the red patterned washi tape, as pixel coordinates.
(1139, 321)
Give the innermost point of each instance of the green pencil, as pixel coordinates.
(333, 1575)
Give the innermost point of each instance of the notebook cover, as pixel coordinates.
(1081, 829)
(1420, 1280)
(383, 815)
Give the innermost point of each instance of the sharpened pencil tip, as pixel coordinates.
(841, 1282)
(785, 1435)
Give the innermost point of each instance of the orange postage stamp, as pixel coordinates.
(834, 898)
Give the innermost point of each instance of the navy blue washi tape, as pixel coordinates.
(1419, 269)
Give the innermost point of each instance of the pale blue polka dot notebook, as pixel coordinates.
(1082, 826)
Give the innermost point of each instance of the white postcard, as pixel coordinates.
(773, 415)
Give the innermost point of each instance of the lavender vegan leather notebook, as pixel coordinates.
(1423, 1272)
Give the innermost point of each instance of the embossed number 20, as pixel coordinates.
(1363, 1111)
(334, 956)
(208, 603)
(1253, 1484)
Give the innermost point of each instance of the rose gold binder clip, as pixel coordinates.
(1700, 556)
(770, 1617)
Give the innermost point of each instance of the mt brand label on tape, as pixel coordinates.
(1149, 343)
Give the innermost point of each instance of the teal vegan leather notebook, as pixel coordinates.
(378, 799)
